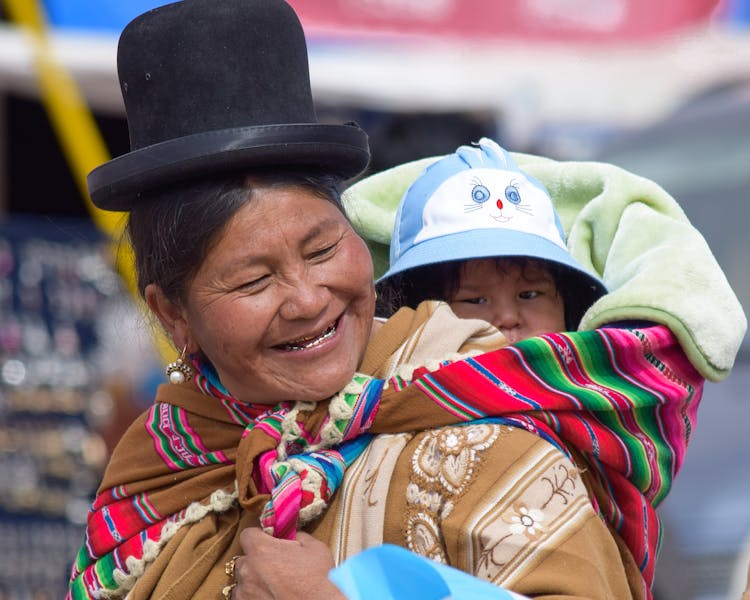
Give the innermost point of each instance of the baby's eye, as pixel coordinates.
(529, 294)
(478, 300)
(480, 193)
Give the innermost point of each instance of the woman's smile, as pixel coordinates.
(310, 341)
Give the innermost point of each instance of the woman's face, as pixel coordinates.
(283, 304)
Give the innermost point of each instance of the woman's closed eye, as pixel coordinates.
(254, 283)
(323, 251)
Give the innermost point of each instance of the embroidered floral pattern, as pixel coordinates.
(425, 538)
(525, 521)
(447, 458)
(562, 481)
(547, 499)
(442, 466)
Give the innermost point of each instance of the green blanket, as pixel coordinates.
(623, 227)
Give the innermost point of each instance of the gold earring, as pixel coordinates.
(179, 371)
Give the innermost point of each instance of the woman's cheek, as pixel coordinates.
(361, 261)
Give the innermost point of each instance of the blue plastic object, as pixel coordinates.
(389, 572)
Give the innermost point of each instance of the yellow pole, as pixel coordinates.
(78, 134)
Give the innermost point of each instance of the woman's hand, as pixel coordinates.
(279, 569)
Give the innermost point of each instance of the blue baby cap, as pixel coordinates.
(476, 203)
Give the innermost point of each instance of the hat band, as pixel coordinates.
(339, 149)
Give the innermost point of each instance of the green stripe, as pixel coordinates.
(177, 418)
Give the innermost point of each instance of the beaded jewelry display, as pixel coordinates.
(179, 371)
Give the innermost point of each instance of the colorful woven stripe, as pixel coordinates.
(176, 442)
(626, 399)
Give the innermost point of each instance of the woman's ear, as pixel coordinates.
(170, 315)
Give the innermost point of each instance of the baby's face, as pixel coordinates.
(520, 302)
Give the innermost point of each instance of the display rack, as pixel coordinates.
(56, 289)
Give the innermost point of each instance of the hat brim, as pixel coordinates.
(489, 243)
(341, 150)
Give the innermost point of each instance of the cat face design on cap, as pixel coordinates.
(507, 203)
(489, 199)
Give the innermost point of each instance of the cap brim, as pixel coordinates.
(341, 150)
(487, 243)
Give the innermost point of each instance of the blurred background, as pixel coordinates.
(659, 88)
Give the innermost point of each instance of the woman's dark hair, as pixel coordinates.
(440, 281)
(172, 231)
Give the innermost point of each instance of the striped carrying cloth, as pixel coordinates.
(622, 400)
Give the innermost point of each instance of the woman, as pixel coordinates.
(284, 383)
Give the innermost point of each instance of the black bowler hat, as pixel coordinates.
(218, 85)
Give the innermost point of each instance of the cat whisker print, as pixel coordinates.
(525, 208)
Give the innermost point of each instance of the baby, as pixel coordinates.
(476, 232)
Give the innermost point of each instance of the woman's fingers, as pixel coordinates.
(271, 568)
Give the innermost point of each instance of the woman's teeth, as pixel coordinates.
(311, 342)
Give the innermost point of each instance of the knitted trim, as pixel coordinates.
(312, 483)
(338, 410)
(406, 370)
(219, 502)
(290, 430)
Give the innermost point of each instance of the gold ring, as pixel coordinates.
(227, 591)
(229, 567)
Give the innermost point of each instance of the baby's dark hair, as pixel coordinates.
(440, 281)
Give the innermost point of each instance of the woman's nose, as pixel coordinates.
(304, 299)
